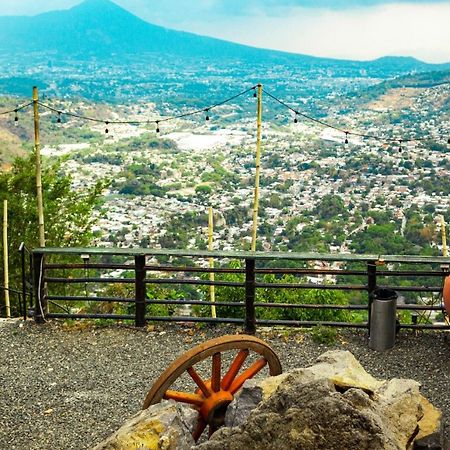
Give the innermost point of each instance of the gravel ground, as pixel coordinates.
(68, 387)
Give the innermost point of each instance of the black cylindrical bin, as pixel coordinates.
(383, 319)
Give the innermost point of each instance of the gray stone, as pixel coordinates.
(307, 416)
(165, 426)
(334, 404)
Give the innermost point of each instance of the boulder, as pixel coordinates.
(165, 426)
(334, 404)
(341, 367)
(307, 416)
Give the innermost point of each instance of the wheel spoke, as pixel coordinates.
(199, 429)
(215, 375)
(247, 374)
(184, 397)
(234, 369)
(199, 382)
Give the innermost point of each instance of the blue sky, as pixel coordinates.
(356, 29)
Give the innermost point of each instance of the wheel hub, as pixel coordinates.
(214, 407)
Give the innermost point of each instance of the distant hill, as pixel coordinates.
(102, 29)
(415, 83)
(419, 80)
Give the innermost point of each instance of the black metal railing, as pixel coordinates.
(56, 269)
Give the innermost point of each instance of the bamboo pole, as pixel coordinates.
(444, 237)
(37, 150)
(6, 258)
(258, 167)
(212, 292)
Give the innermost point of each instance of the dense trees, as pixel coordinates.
(68, 213)
(330, 206)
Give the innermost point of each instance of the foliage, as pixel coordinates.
(281, 296)
(228, 294)
(67, 213)
(331, 206)
(321, 334)
(381, 239)
(125, 290)
(300, 296)
(181, 228)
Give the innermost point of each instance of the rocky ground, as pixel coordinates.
(69, 386)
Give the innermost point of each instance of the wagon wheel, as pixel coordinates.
(213, 396)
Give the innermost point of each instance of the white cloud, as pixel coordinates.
(419, 30)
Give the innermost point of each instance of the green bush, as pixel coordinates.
(225, 294)
(300, 296)
(290, 296)
(321, 334)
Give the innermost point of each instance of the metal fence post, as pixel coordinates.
(30, 279)
(371, 286)
(23, 301)
(250, 316)
(139, 264)
(40, 307)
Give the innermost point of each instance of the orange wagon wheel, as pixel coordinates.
(214, 395)
(446, 295)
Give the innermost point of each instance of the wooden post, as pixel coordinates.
(6, 258)
(250, 315)
(139, 267)
(212, 292)
(258, 166)
(37, 150)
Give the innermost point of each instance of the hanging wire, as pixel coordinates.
(16, 110)
(207, 110)
(146, 122)
(334, 127)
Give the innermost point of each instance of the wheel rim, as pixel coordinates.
(213, 395)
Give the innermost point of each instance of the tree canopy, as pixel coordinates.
(68, 214)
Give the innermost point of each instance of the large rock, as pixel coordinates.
(335, 404)
(165, 426)
(341, 367)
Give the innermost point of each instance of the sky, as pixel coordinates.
(350, 29)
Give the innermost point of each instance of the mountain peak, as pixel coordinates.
(97, 4)
(99, 7)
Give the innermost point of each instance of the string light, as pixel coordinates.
(16, 118)
(329, 125)
(400, 146)
(207, 110)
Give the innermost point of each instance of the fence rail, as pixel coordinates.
(54, 270)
